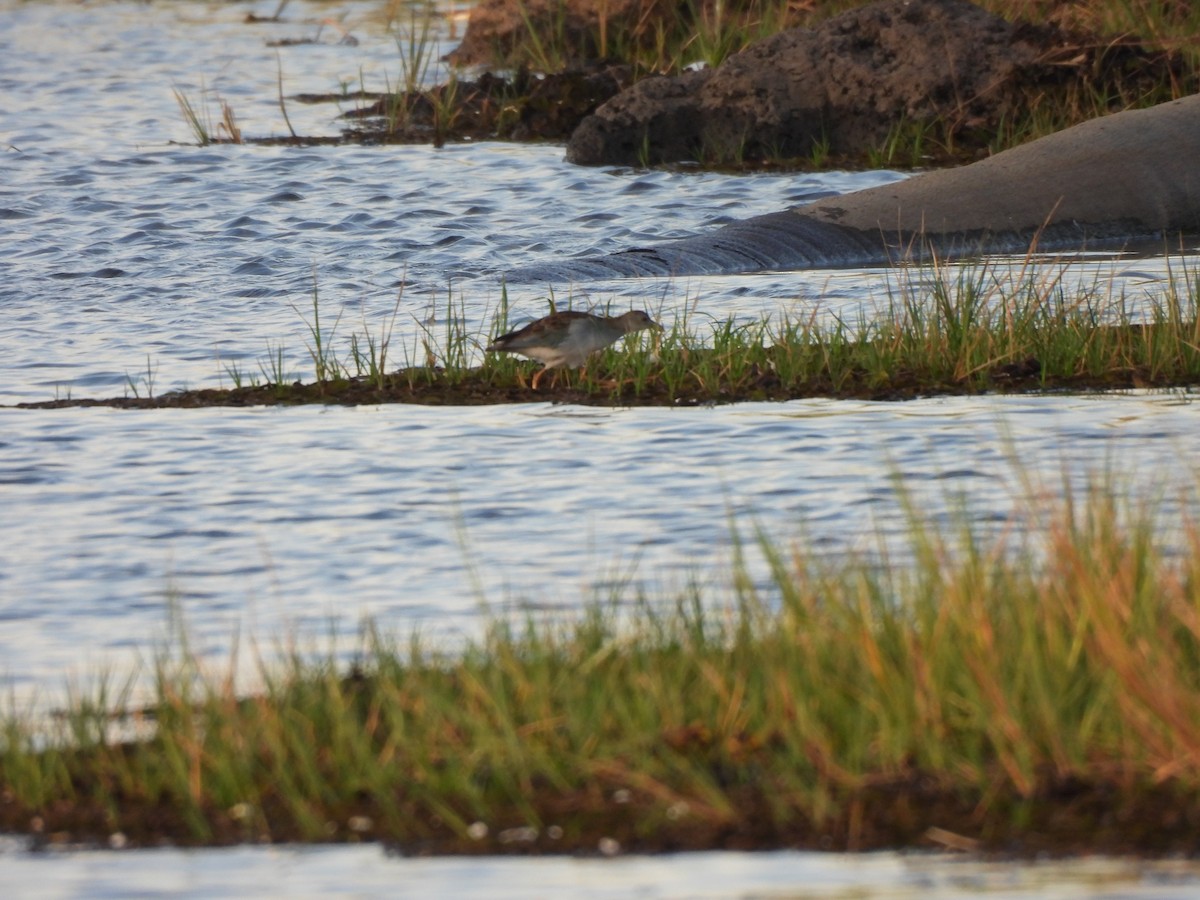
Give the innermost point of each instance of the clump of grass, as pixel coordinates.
(1033, 689)
(911, 144)
(659, 39)
(200, 120)
(228, 124)
(418, 51)
(370, 352)
(444, 101)
(549, 49)
(279, 94)
(273, 367)
(961, 331)
(146, 379)
(238, 376)
(324, 357)
(1166, 26)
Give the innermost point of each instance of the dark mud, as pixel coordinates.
(1062, 816)
(525, 107)
(482, 387)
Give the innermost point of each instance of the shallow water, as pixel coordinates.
(136, 263)
(286, 520)
(370, 872)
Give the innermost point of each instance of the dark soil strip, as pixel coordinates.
(479, 387)
(1065, 816)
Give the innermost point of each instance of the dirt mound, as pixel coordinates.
(896, 83)
(845, 87)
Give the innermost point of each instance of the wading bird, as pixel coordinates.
(568, 338)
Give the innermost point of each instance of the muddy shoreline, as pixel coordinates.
(477, 387)
(1065, 817)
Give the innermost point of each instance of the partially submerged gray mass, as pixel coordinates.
(1126, 177)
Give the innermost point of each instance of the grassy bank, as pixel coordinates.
(940, 332)
(1033, 691)
(561, 63)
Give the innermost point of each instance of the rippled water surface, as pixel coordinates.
(136, 262)
(290, 520)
